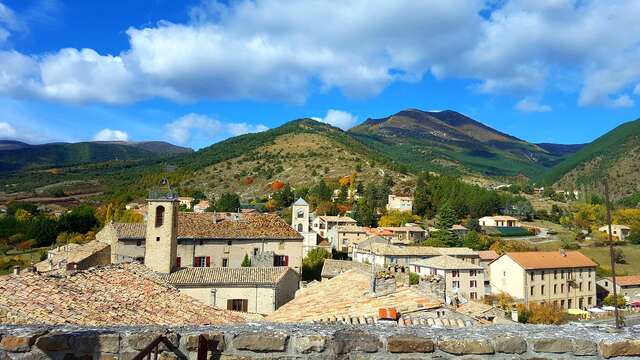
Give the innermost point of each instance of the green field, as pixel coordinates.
(601, 256)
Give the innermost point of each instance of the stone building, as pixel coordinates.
(563, 279)
(463, 280)
(400, 203)
(627, 286)
(343, 237)
(322, 224)
(382, 253)
(300, 222)
(260, 290)
(76, 257)
(171, 239)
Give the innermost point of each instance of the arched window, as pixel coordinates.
(159, 216)
(300, 214)
(299, 227)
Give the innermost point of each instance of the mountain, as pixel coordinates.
(299, 152)
(616, 154)
(15, 156)
(452, 143)
(561, 149)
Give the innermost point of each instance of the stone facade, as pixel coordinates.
(160, 249)
(323, 342)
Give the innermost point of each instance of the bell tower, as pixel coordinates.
(162, 222)
(300, 216)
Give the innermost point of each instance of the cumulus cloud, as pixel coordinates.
(339, 118)
(8, 23)
(111, 135)
(7, 131)
(636, 90)
(191, 126)
(530, 105)
(359, 50)
(623, 101)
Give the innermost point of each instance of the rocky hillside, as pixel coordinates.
(615, 154)
(450, 142)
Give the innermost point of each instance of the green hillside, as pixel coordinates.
(452, 143)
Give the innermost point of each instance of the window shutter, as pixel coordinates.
(178, 261)
(245, 305)
(286, 260)
(195, 261)
(208, 259)
(229, 304)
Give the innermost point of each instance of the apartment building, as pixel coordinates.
(566, 280)
(343, 237)
(463, 279)
(400, 203)
(322, 224)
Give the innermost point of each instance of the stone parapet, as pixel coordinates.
(270, 341)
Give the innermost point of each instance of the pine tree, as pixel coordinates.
(246, 262)
(445, 220)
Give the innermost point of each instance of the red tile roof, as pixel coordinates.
(551, 259)
(628, 280)
(488, 255)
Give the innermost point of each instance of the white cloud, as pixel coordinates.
(7, 131)
(530, 105)
(636, 90)
(8, 23)
(267, 49)
(196, 126)
(111, 135)
(623, 101)
(339, 118)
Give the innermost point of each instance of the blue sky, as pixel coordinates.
(196, 72)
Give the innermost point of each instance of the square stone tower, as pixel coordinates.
(162, 223)
(300, 216)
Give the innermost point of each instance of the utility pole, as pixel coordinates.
(612, 255)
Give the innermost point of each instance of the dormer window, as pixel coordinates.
(159, 216)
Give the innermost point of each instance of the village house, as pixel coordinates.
(343, 237)
(170, 239)
(618, 232)
(201, 206)
(562, 279)
(323, 223)
(185, 201)
(486, 257)
(76, 257)
(400, 203)
(259, 290)
(407, 234)
(627, 286)
(381, 253)
(499, 221)
(463, 280)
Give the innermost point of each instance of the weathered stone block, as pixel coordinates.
(309, 343)
(215, 341)
(95, 343)
(510, 345)
(620, 348)
(355, 340)
(584, 348)
(261, 342)
(18, 342)
(466, 347)
(141, 340)
(53, 342)
(409, 344)
(557, 346)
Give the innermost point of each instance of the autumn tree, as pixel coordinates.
(312, 264)
(397, 218)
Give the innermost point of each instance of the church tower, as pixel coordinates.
(300, 216)
(162, 223)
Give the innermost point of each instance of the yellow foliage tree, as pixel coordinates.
(23, 215)
(397, 218)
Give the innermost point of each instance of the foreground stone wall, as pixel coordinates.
(269, 341)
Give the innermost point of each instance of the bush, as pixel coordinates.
(608, 300)
(313, 262)
(541, 314)
(414, 278)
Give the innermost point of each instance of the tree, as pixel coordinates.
(501, 246)
(397, 218)
(313, 262)
(608, 300)
(23, 215)
(284, 197)
(619, 257)
(541, 314)
(446, 218)
(364, 214)
(473, 225)
(228, 202)
(472, 240)
(246, 262)
(80, 220)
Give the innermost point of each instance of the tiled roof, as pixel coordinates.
(457, 251)
(332, 268)
(225, 275)
(130, 230)
(488, 255)
(346, 296)
(474, 308)
(403, 228)
(446, 262)
(73, 255)
(203, 226)
(249, 226)
(124, 294)
(501, 217)
(626, 280)
(615, 227)
(350, 228)
(329, 218)
(551, 259)
(393, 250)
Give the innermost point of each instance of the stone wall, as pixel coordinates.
(271, 341)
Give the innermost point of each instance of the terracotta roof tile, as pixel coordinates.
(225, 275)
(130, 230)
(628, 280)
(551, 259)
(72, 255)
(488, 255)
(332, 268)
(124, 294)
(446, 262)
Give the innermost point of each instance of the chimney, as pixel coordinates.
(514, 314)
(382, 284)
(563, 253)
(16, 270)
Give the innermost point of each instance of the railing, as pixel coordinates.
(153, 348)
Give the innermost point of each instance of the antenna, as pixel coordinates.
(612, 254)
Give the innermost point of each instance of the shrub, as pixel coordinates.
(414, 278)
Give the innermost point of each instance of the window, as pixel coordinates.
(434, 272)
(299, 227)
(229, 242)
(555, 274)
(542, 275)
(255, 251)
(138, 243)
(606, 283)
(589, 286)
(473, 295)
(589, 300)
(157, 238)
(569, 303)
(531, 291)
(473, 273)
(202, 261)
(531, 276)
(201, 242)
(561, 288)
(562, 304)
(589, 272)
(455, 284)
(159, 216)
(580, 286)
(237, 305)
(300, 214)
(455, 273)
(555, 288)
(473, 283)
(581, 273)
(178, 261)
(561, 274)
(225, 262)
(542, 290)
(281, 260)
